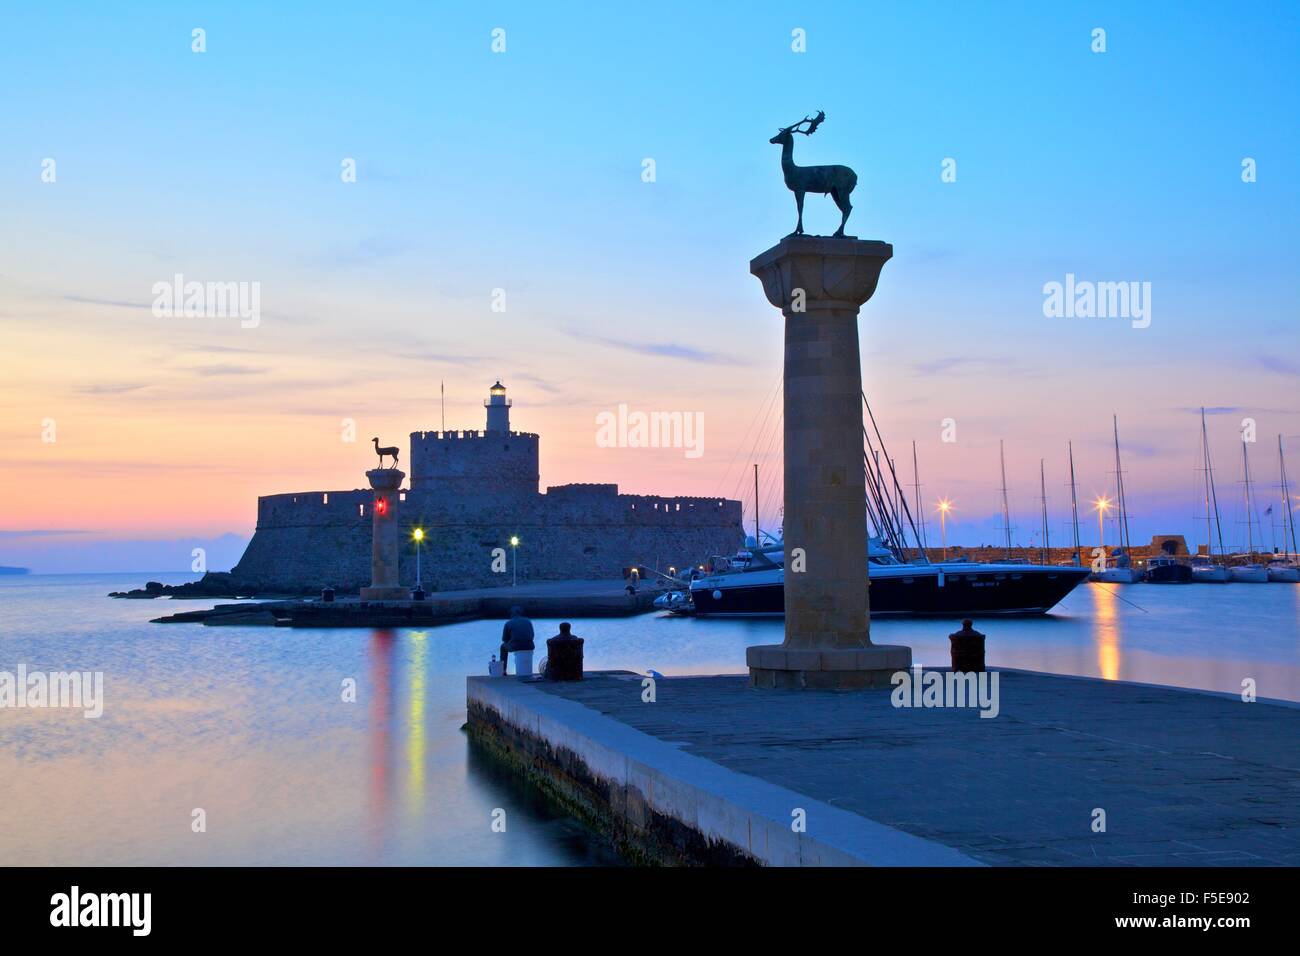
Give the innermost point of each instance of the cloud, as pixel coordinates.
(208, 371)
(115, 303)
(41, 533)
(1277, 365)
(659, 349)
(120, 389)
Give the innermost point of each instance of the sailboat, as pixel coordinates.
(1119, 566)
(1283, 569)
(1250, 572)
(1204, 568)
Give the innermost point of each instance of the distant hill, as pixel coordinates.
(8, 570)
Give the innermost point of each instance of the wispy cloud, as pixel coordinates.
(1277, 365)
(115, 303)
(209, 371)
(119, 389)
(659, 349)
(42, 533)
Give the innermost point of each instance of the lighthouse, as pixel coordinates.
(498, 409)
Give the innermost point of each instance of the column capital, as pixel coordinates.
(833, 272)
(385, 479)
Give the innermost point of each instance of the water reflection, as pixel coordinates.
(1106, 631)
(380, 653)
(415, 722)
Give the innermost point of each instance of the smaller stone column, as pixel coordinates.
(384, 585)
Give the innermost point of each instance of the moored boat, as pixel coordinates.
(1165, 569)
(1283, 572)
(1248, 573)
(1206, 571)
(756, 588)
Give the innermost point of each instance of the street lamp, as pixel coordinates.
(1103, 505)
(944, 507)
(418, 535)
(514, 561)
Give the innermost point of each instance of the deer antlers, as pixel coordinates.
(812, 121)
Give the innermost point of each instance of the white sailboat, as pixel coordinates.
(1119, 565)
(1249, 572)
(1204, 568)
(1283, 568)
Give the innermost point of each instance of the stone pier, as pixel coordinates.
(384, 553)
(819, 284)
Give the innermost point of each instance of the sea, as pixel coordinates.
(278, 746)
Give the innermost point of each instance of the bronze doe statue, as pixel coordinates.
(836, 180)
(390, 450)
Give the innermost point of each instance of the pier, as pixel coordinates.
(714, 771)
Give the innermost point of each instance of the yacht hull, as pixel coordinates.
(1117, 576)
(1284, 575)
(1170, 574)
(910, 590)
(1217, 574)
(1249, 574)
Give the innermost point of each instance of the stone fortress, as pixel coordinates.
(471, 492)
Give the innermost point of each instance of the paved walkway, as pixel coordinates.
(1184, 778)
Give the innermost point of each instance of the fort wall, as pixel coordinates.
(308, 540)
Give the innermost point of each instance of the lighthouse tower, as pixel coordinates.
(498, 410)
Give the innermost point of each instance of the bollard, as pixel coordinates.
(327, 594)
(417, 594)
(967, 649)
(564, 655)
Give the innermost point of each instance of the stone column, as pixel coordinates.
(384, 585)
(819, 283)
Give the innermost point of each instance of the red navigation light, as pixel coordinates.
(381, 505)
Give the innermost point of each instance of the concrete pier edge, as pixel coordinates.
(662, 805)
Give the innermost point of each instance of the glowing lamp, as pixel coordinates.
(381, 505)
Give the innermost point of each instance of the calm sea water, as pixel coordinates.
(249, 725)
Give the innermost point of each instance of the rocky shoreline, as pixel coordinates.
(213, 584)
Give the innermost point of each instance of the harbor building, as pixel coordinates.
(472, 493)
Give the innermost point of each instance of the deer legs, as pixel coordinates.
(798, 201)
(846, 207)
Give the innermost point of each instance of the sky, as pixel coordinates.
(519, 177)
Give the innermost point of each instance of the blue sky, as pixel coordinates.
(522, 171)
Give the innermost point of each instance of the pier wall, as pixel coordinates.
(660, 805)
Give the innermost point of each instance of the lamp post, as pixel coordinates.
(1103, 505)
(944, 507)
(418, 535)
(514, 561)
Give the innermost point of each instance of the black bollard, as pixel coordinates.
(417, 594)
(327, 594)
(564, 655)
(967, 649)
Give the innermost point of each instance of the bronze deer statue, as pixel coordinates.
(389, 450)
(838, 181)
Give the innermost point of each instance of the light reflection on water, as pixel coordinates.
(250, 724)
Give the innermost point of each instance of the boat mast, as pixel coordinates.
(1250, 540)
(758, 542)
(1289, 518)
(1074, 507)
(1119, 491)
(1042, 489)
(1211, 496)
(916, 489)
(1006, 509)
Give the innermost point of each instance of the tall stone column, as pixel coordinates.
(819, 284)
(384, 585)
